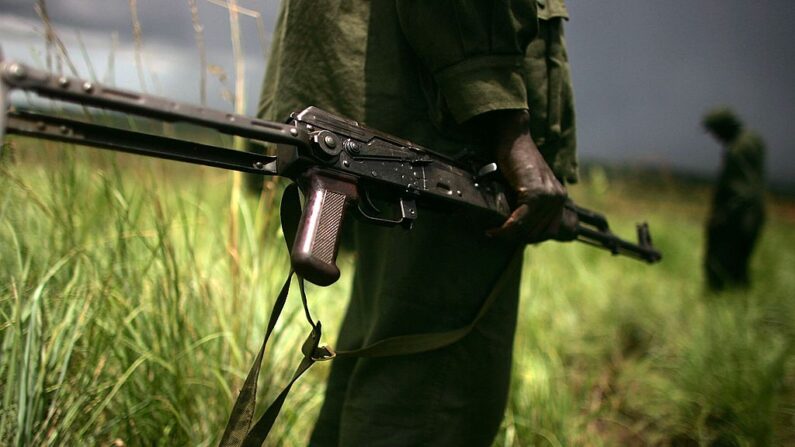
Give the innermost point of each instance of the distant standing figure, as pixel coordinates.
(738, 208)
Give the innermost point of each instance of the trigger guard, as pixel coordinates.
(408, 213)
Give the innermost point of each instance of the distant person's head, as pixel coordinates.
(723, 124)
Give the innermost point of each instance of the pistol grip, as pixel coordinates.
(317, 240)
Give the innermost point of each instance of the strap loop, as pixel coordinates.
(324, 353)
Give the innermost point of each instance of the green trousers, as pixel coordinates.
(433, 278)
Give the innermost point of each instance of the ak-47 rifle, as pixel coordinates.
(335, 161)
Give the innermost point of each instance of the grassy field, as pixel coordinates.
(133, 297)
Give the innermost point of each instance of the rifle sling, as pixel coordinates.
(239, 431)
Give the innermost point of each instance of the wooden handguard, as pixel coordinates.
(317, 240)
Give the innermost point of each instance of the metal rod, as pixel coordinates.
(105, 137)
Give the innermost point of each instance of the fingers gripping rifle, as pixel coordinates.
(336, 162)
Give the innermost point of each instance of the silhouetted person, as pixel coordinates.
(738, 209)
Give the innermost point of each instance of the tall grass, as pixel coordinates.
(118, 316)
(120, 321)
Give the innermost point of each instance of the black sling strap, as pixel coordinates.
(239, 431)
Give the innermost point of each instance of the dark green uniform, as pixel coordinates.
(419, 69)
(738, 212)
(549, 92)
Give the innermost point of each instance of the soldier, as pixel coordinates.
(738, 208)
(459, 78)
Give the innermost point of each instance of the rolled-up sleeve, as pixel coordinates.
(473, 49)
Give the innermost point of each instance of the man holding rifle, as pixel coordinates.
(471, 79)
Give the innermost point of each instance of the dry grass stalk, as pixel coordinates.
(86, 57)
(54, 45)
(198, 30)
(138, 39)
(261, 34)
(269, 183)
(240, 108)
(110, 72)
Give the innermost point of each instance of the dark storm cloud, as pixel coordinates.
(645, 72)
(162, 21)
(113, 15)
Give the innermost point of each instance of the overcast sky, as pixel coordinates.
(644, 71)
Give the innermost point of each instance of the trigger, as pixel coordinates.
(407, 209)
(369, 202)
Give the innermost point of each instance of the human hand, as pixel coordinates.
(538, 212)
